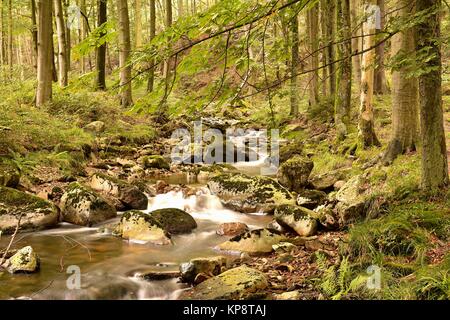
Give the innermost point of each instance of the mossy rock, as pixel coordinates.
(258, 241)
(34, 212)
(327, 180)
(310, 199)
(9, 174)
(290, 150)
(294, 173)
(299, 219)
(174, 221)
(142, 227)
(248, 194)
(211, 266)
(154, 162)
(25, 260)
(241, 283)
(129, 195)
(83, 206)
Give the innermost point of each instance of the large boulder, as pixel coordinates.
(129, 195)
(241, 283)
(311, 198)
(232, 229)
(326, 181)
(294, 173)
(174, 220)
(9, 174)
(25, 260)
(297, 218)
(142, 227)
(247, 194)
(34, 213)
(82, 206)
(255, 242)
(207, 266)
(290, 150)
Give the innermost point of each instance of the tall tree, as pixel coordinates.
(342, 100)
(151, 75)
(138, 23)
(405, 117)
(100, 60)
(68, 35)
(2, 39)
(313, 28)
(356, 42)
(294, 63)
(366, 125)
(168, 23)
(180, 8)
(125, 50)
(83, 31)
(331, 32)
(34, 31)
(434, 151)
(10, 36)
(45, 53)
(379, 83)
(62, 50)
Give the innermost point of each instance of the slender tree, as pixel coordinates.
(151, 75)
(434, 151)
(138, 23)
(366, 126)
(100, 60)
(10, 36)
(379, 83)
(405, 117)
(294, 62)
(125, 50)
(34, 32)
(342, 100)
(62, 50)
(2, 38)
(45, 53)
(313, 28)
(356, 43)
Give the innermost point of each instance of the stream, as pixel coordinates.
(109, 265)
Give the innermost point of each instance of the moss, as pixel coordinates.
(174, 220)
(155, 161)
(20, 200)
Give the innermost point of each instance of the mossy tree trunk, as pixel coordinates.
(125, 50)
(405, 118)
(151, 73)
(34, 32)
(62, 51)
(313, 29)
(379, 83)
(366, 126)
(294, 62)
(356, 42)
(45, 53)
(434, 151)
(323, 43)
(101, 50)
(342, 100)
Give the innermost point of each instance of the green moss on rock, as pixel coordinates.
(174, 220)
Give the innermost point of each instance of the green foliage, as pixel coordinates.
(99, 36)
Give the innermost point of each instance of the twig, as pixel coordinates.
(11, 240)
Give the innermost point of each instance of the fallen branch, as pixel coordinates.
(11, 241)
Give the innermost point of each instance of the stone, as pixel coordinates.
(276, 226)
(294, 173)
(290, 150)
(310, 199)
(327, 217)
(83, 206)
(326, 181)
(129, 195)
(255, 242)
(232, 229)
(9, 174)
(95, 126)
(291, 295)
(299, 219)
(241, 283)
(34, 212)
(174, 221)
(25, 260)
(208, 266)
(142, 227)
(283, 247)
(154, 162)
(247, 194)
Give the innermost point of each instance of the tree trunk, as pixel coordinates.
(34, 32)
(180, 8)
(138, 23)
(342, 100)
(83, 33)
(151, 74)
(405, 118)
(366, 128)
(101, 50)
(434, 151)
(380, 86)
(324, 42)
(331, 32)
(10, 37)
(62, 50)
(356, 42)
(125, 49)
(45, 53)
(294, 63)
(68, 37)
(2, 38)
(313, 24)
(168, 23)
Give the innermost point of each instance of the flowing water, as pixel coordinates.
(108, 265)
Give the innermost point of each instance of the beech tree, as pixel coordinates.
(62, 50)
(124, 53)
(45, 53)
